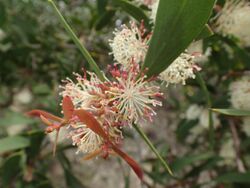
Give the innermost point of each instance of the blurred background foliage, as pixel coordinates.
(36, 54)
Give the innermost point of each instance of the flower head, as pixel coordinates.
(240, 93)
(234, 19)
(133, 95)
(180, 70)
(129, 44)
(193, 112)
(90, 95)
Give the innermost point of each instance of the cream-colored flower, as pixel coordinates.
(84, 93)
(197, 48)
(23, 97)
(84, 138)
(193, 112)
(89, 94)
(180, 70)
(204, 119)
(234, 19)
(240, 93)
(134, 96)
(129, 45)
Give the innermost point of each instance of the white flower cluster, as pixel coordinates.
(202, 114)
(128, 45)
(135, 97)
(240, 93)
(196, 112)
(89, 95)
(240, 99)
(234, 19)
(180, 70)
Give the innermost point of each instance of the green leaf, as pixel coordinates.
(36, 139)
(234, 177)
(14, 118)
(178, 23)
(13, 143)
(11, 168)
(133, 10)
(101, 6)
(41, 89)
(205, 33)
(180, 163)
(232, 112)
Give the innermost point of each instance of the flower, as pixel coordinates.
(134, 96)
(129, 44)
(197, 48)
(234, 19)
(180, 70)
(204, 119)
(84, 138)
(193, 112)
(90, 95)
(240, 93)
(85, 93)
(89, 134)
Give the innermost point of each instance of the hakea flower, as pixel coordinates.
(129, 43)
(133, 95)
(240, 93)
(180, 70)
(234, 19)
(81, 116)
(90, 95)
